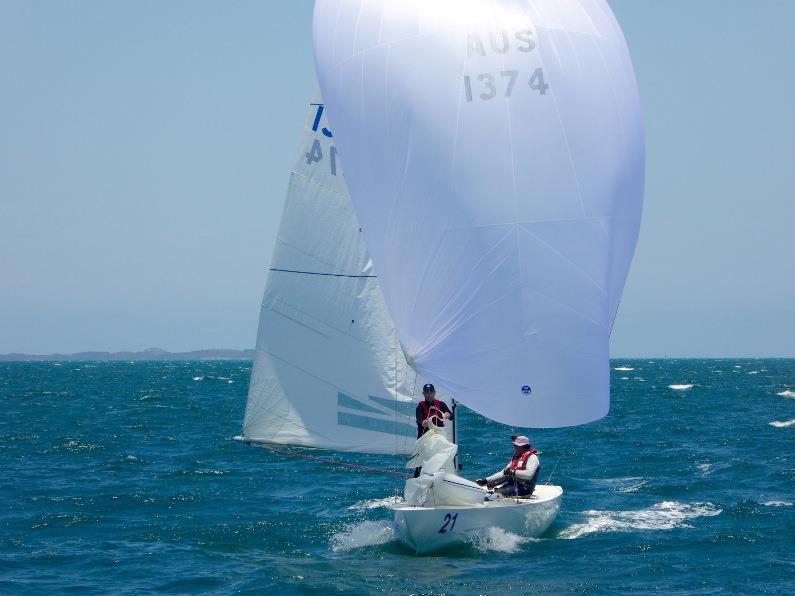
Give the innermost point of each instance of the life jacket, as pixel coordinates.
(519, 462)
(426, 411)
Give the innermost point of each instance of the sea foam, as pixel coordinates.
(680, 387)
(366, 533)
(375, 503)
(623, 368)
(498, 540)
(783, 424)
(787, 393)
(662, 516)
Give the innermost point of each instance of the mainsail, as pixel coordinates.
(328, 370)
(495, 158)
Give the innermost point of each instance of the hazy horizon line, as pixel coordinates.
(209, 351)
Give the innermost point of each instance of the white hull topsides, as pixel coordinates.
(429, 528)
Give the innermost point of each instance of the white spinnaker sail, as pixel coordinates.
(328, 370)
(495, 157)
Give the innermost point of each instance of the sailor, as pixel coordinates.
(519, 477)
(430, 410)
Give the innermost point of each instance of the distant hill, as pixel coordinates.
(149, 354)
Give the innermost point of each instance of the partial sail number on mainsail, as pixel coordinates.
(315, 154)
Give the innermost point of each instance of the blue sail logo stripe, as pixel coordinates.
(347, 401)
(403, 407)
(378, 405)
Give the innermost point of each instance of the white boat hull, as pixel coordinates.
(429, 528)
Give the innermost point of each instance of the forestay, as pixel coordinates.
(494, 153)
(328, 370)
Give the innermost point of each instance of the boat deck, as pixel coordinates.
(542, 494)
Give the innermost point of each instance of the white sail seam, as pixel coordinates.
(577, 267)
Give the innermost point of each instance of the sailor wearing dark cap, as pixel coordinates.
(430, 410)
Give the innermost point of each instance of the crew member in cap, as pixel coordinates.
(430, 410)
(519, 477)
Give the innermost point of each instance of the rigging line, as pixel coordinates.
(334, 462)
(397, 392)
(405, 377)
(318, 273)
(549, 479)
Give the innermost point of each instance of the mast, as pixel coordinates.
(456, 465)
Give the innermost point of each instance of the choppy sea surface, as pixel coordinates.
(123, 477)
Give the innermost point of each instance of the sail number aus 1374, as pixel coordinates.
(485, 85)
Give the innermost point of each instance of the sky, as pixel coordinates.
(145, 149)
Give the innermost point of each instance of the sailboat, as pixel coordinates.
(494, 156)
(480, 239)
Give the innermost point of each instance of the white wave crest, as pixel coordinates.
(498, 540)
(787, 393)
(630, 484)
(367, 533)
(680, 387)
(623, 368)
(783, 424)
(704, 468)
(375, 503)
(635, 484)
(662, 516)
(777, 503)
(198, 378)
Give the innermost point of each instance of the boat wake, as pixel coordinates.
(366, 533)
(783, 423)
(375, 503)
(498, 540)
(662, 516)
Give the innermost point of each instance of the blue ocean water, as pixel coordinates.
(123, 477)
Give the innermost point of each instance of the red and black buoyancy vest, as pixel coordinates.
(426, 411)
(519, 462)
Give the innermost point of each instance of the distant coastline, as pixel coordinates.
(148, 354)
